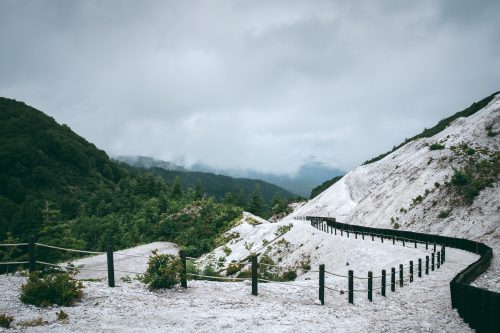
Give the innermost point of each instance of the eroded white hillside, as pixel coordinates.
(386, 193)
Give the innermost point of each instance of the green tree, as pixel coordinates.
(176, 189)
(256, 205)
(198, 191)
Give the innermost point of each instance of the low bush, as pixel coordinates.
(51, 288)
(444, 214)
(164, 271)
(227, 250)
(436, 146)
(233, 267)
(5, 320)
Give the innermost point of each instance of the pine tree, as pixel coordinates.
(199, 192)
(256, 201)
(177, 189)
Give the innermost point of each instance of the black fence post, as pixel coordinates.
(426, 265)
(351, 287)
(370, 285)
(111, 267)
(415, 244)
(403, 242)
(341, 232)
(347, 233)
(438, 262)
(411, 270)
(322, 284)
(419, 267)
(434, 247)
(400, 275)
(432, 261)
(426, 245)
(383, 283)
(254, 276)
(32, 255)
(382, 238)
(363, 235)
(356, 235)
(335, 230)
(442, 254)
(184, 269)
(393, 240)
(372, 236)
(393, 279)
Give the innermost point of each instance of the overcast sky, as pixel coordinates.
(266, 85)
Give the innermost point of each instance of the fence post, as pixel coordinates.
(347, 233)
(382, 238)
(442, 254)
(184, 269)
(426, 245)
(403, 242)
(335, 230)
(32, 255)
(372, 236)
(351, 287)
(111, 267)
(438, 262)
(341, 232)
(400, 275)
(426, 265)
(363, 235)
(411, 271)
(254, 276)
(383, 283)
(370, 285)
(415, 244)
(393, 240)
(322, 284)
(434, 247)
(419, 267)
(356, 235)
(393, 279)
(432, 261)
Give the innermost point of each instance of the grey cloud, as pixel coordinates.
(237, 84)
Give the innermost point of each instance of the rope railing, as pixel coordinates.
(69, 250)
(14, 244)
(218, 277)
(14, 263)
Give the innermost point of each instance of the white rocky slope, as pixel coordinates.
(383, 194)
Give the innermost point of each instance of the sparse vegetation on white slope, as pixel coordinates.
(407, 188)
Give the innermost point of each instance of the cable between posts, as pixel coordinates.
(219, 277)
(14, 263)
(70, 250)
(15, 244)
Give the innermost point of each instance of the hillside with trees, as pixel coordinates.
(64, 191)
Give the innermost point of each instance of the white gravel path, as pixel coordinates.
(423, 306)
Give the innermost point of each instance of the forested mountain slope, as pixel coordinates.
(60, 188)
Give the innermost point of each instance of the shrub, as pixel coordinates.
(52, 288)
(395, 226)
(164, 271)
(418, 200)
(61, 315)
(436, 146)
(444, 214)
(233, 268)
(283, 230)
(289, 276)
(5, 320)
(227, 250)
(191, 268)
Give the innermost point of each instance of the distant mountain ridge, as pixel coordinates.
(308, 176)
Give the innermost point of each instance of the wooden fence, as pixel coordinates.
(478, 307)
